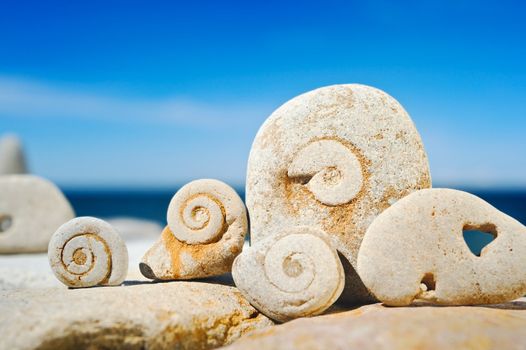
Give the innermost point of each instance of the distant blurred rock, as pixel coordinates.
(31, 210)
(12, 158)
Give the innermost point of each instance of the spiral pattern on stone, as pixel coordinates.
(86, 252)
(300, 274)
(330, 170)
(197, 214)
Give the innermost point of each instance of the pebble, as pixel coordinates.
(333, 159)
(87, 252)
(416, 250)
(207, 224)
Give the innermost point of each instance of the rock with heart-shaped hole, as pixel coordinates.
(415, 250)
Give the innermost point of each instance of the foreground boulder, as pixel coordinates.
(182, 315)
(419, 327)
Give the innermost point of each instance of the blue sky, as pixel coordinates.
(158, 93)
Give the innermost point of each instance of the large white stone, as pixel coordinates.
(333, 159)
(12, 159)
(31, 210)
(416, 250)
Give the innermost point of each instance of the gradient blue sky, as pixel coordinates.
(159, 93)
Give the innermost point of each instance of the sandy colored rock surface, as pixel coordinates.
(12, 158)
(293, 274)
(207, 224)
(415, 250)
(31, 210)
(178, 315)
(86, 252)
(406, 328)
(333, 159)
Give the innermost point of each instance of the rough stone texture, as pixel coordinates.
(207, 224)
(415, 250)
(31, 210)
(177, 315)
(292, 274)
(378, 327)
(333, 159)
(86, 252)
(12, 159)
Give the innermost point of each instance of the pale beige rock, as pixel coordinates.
(293, 274)
(31, 209)
(12, 159)
(87, 252)
(177, 315)
(28, 271)
(415, 250)
(333, 159)
(377, 327)
(207, 224)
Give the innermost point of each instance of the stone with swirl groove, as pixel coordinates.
(207, 224)
(87, 252)
(333, 159)
(416, 250)
(292, 274)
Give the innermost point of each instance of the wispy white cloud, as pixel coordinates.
(28, 98)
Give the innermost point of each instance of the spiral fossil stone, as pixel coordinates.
(207, 223)
(86, 252)
(333, 159)
(292, 274)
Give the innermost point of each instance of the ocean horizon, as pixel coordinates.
(151, 204)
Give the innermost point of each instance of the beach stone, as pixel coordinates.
(31, 210)
(207, 224)
(12, 158)
(333, 159)
(292, 274)
(32, 270)
(180, 315)
(378, 327)
(416, 250)
(86, 252)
